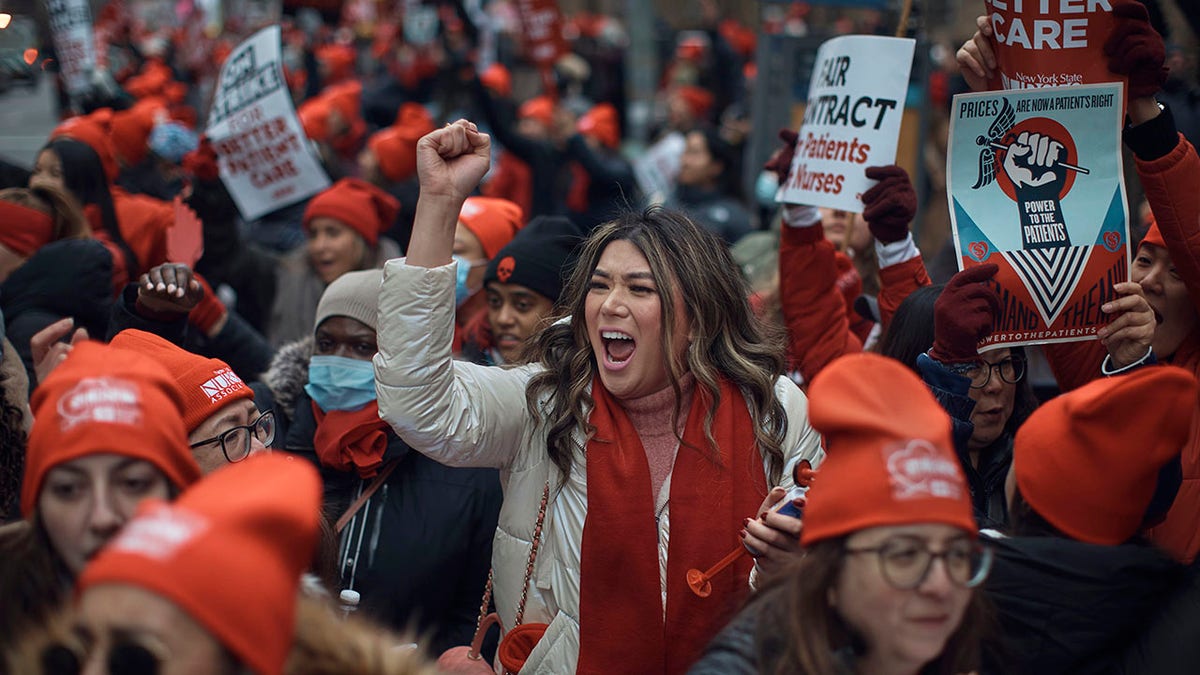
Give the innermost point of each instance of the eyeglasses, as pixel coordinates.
(1011, 370)
(128, 657)
(905, 562)
(235, 443)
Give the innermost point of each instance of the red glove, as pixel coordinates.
(1136, 50)
(781, 160)
(209, 310)
(964, 315)
(891, 204)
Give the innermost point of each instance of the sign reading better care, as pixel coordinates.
(852, 120)
(263, 154)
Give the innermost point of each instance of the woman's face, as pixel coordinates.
(993, 403)
(900, 627)
(844, 229)
(1167, 295)
(345, 337)
(48, 171)
(334, 249)
(515, 312)
(130, 621)
(623, 312)
(85, 501)
(696, 164)
(468, 247)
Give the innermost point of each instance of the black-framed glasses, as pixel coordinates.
(1010, 370)
(235, 443)
(905, 562)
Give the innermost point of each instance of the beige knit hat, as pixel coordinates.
(354, 294)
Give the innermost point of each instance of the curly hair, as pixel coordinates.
(727, 339)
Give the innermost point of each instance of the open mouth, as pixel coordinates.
(618, 347)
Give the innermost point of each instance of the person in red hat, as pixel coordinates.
(32, 218)
(1164, 267)
(108, 434)
(604, 181)
(892, 553)
(485, 226)
(1076, 565)
(343, 225)
(608, 437)
(391, 154)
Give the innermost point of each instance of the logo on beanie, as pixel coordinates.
(505, 269)
(920, 470)
(223, 383)
(107, 400)
(160, 532)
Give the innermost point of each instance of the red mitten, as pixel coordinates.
(209, 310)
(1136, 50)
(202, 162)
(781, 160)
(964, 314)
(890, 205)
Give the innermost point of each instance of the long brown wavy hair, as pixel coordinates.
(799, 632)
(727, 339)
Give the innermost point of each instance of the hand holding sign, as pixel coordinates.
(1034, 153)
(890, 205)
(1135, 49)
(964, 315)
(1129, 335)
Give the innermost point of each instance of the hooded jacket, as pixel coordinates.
(418, 551)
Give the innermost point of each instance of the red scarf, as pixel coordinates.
(621, 628)
(348, 440)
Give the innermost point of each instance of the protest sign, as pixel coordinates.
(71, 30)
(1050, 43)
(542, 24)
(1036, 187)
(263, 155)
(852, 120)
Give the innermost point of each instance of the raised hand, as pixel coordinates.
(452, 160)
(170, 288)
(1034, 160)
(964, 314)
(47, 349)
(780, 161)
(977, 56)
(889, 205)
(1136, 50)
(1129, 335)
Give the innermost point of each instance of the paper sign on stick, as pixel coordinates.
(72, 32)
(262, 152)
(1035, 186)
(852, 120)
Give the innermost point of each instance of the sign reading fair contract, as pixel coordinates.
(263, 155)
(1036, 187)
(71, 30)
(1050, 43)
(851, 121)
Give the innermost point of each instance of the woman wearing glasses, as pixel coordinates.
(222, 423)
(892, 554)
(107, 435)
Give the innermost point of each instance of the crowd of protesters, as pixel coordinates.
(494, 402)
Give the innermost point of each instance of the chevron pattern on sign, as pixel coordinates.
(1050, 275)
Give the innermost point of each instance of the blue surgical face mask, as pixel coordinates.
(765, 188)
(461, 291)
(339, 383)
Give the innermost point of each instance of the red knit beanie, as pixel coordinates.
(1088, 460)
(206, 385)
(493, 221)
(338, 59)
(602, 124)
(229, 552)
(358, 205)
(891, 457)
(92, 130)
(540, 108)
(103, 399)
(395, 148)
(130, 132)
(24, 230)
(497, 79)
(698, 100)
(314, 117)
(1153, 235)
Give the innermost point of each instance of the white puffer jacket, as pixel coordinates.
(462, 414)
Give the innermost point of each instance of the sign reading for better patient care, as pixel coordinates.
(1035, 186)
(1050, 43)
(72, 32)
(851, 121)
(263, 154)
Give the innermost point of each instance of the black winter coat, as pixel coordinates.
(1069, 607)
(67, 278)
(420, 549)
